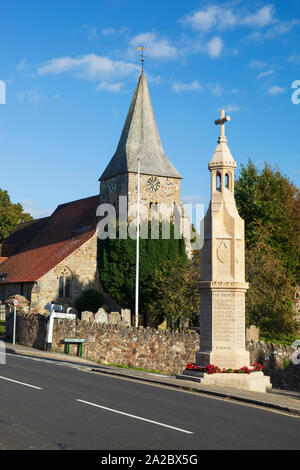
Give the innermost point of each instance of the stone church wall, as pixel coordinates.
(82, 265)
(164, 351)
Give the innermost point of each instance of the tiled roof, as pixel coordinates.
(40, 245)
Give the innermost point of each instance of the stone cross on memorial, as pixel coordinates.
(221, 122)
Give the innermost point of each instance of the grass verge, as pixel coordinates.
(124, 366)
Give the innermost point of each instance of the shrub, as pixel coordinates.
(90, 300)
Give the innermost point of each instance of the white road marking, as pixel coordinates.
(53, 361)
(134, 416)
(21, 383)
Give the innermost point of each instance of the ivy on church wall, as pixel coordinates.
(117, 266)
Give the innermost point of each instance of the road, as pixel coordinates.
(44, 405)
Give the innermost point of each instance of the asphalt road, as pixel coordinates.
(74, 409)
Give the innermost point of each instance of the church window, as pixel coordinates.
(218, 181)
(65, 284)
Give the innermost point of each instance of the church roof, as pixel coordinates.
(38, 246)
(140, 138)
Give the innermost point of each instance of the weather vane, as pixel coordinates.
(142, 48)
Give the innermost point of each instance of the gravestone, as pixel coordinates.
(114, 318)
(126, 316)
(101, 316)
(85, 316)
(222, 281)
(72, 311)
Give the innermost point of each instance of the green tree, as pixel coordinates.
(10, 215)
(117, 266)
(269, 199)
(175, 296)
(90, 300)
(270, 205)
(269, 301)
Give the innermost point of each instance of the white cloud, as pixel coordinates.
(157, 47)
(206, 19)
(92, 31)
(22, 65)
(193, 86)
(90, 67)
(226, 17)
(267, 73)
(33, 96)
(114, 87)
(232, 108)
(214, 47)
(257, 64)
(295, 58)
(108, 31)
(275, 90)
(263, 21)
(281, 28)
(261, 18)
(216, 89)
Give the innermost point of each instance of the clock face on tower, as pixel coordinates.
(153, 184)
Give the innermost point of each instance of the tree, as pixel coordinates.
(270, 205)
(175, 296)
(90, 300)
(270, 199)
(10, 215)
(269, 302)
(117, 267)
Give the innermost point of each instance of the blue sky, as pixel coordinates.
(71, 68)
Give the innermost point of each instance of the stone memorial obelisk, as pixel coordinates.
(222, 280)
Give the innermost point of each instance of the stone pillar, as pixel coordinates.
(222, 325)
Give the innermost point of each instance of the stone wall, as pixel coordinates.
(164, 351)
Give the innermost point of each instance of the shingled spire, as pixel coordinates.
(140, 138)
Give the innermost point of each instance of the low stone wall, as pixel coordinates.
(164, 351)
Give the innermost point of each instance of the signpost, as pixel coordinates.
(15, 305)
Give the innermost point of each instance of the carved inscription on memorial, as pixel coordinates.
(228, 321)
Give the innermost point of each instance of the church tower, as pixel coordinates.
(159, 181)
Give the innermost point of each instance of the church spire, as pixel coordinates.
(140, 138)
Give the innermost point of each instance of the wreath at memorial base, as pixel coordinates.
(211, 369)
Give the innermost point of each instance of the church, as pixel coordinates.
(54, 259)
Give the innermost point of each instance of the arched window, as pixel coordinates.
(218, 181)
(65, 284)
(227, 181)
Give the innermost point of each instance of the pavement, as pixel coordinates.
(281, 400)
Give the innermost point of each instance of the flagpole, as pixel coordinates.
(137, 247)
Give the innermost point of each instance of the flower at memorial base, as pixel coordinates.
(212, 369)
